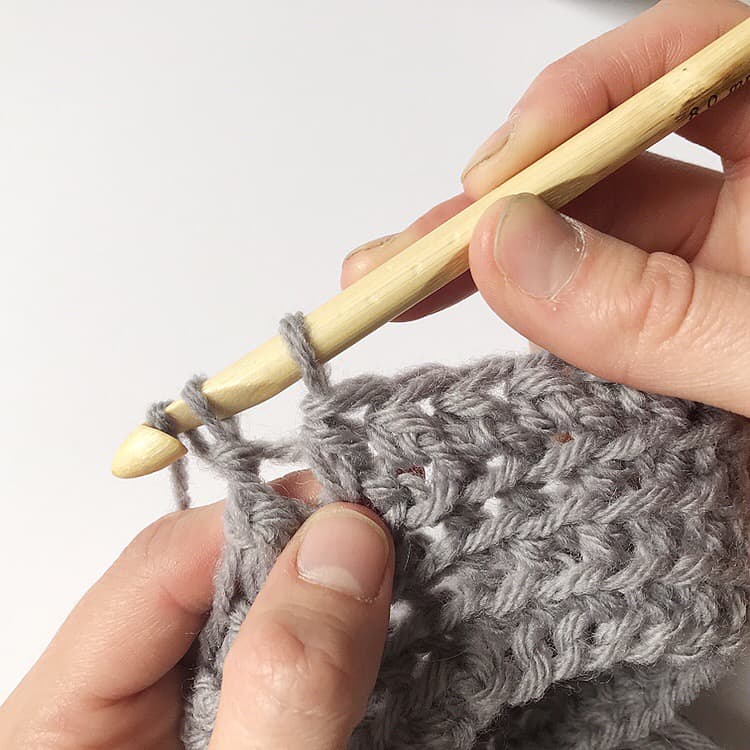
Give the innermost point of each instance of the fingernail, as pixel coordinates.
(536, 248)
(344, 550)
(493, 145)
(379, 242)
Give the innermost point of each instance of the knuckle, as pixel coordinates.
(436, 216)
(149, 544)
(296, 665)
(662, 306)
(571, 76)
(562, 69)
(151, 555)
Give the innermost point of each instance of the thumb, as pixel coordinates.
(304, 662)
(649, 320)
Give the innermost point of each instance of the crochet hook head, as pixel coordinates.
(144, 451)
(251, 380)
(441, 256)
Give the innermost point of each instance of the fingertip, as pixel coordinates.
(365, 258)
(487, 277)
(300, 485)
(348, 540)
(526, 261)
(345, 549)
(492, 163)
(306, 658)
(355, 266)
(364, 510)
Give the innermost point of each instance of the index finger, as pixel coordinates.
(590, 81)
(140, 618)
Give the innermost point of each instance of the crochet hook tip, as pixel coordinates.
(144, 451)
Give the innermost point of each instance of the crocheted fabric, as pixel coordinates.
(571, 554)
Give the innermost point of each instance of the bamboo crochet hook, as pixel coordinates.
(441, 256)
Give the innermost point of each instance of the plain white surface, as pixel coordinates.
(175, 177)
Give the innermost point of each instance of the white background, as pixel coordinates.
(174, 177)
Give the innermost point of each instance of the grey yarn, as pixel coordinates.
(571, 554)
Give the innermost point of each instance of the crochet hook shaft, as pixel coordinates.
(441, 256)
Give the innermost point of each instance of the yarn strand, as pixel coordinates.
(571, 554)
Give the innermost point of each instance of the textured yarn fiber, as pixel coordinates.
(571, 554)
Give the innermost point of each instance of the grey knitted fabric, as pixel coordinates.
(572, 556)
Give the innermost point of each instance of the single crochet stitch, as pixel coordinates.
(571, 554)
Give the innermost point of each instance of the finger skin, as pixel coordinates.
(656, 203)
(357, 265)
(113, 659)
(301, 485)
(661, 203)
(584, 85)
(124, 637)
(140, 618)
(649, 320)
(304, 662)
